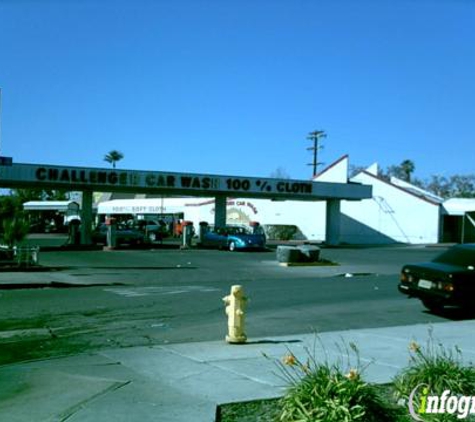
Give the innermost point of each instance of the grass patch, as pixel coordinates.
(250, 411)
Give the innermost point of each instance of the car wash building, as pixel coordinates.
(396, 212)
(458, 216)
(171, 184)
(331, 208)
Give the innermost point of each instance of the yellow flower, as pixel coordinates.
(414, 347)
(352, 375)
(289, 359)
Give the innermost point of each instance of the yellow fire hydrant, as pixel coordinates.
(235, 304)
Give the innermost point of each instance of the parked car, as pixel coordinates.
(152, 229)
(449, 279)
(233, 238)
(124, 235)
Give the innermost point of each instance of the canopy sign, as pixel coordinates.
(111, 180)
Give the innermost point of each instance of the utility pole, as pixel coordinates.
(0, 120)
(315, 136)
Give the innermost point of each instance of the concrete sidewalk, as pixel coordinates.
(185, 382)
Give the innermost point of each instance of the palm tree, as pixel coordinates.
(113, 156)
(407, 167)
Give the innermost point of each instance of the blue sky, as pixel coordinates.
(233, 87)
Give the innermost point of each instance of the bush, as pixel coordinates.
(283, 232)
(438, 368)
(14, 231)
(324, 392)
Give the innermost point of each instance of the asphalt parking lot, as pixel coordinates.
(97, 299)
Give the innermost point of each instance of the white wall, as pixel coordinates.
(391, 215)
(309, 217)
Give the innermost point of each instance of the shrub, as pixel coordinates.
(14, 230)
(324, 392)
(283, 232)
(438, 368)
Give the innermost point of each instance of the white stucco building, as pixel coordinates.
(398, 212)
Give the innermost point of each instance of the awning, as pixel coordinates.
(459, 206)
(62, 206)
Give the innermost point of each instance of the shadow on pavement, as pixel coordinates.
(454, 313)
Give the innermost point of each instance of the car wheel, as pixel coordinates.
(433, 305)
(232, 246)
(152, 236)
(136, 242)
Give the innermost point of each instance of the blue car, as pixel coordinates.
(233, 238)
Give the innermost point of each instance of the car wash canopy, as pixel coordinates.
(170, 183)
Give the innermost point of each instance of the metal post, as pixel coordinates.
(463, 228)
(0, 120)
(86, 217)
(220, 211)
(333, 222)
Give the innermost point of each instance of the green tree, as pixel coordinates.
(280, 173)
(402, 171)
(354, 170)
(25, 195)
(14, 230)
(13, 223)
(455, 186)
(113, 157)
(9, 206)
(407, 168)
(463, 186)
(438, 185)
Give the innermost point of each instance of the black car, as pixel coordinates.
(123, 234)
(449, 279)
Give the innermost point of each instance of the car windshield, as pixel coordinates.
(236, 230)
(462, 257)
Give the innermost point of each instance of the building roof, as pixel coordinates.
(406, 190)
(335, 172)
(459, 206)
(50, 205)
(416, 190)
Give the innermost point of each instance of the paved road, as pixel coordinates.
(171, 296)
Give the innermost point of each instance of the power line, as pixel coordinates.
(0, 120)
